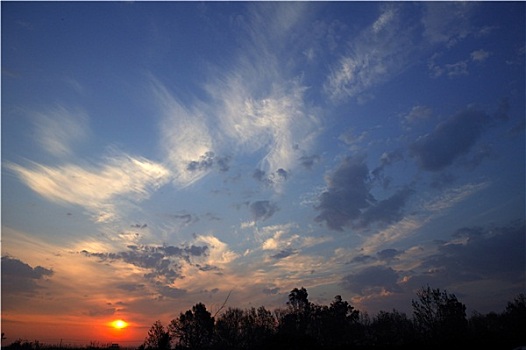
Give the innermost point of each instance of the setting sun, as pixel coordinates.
(119, 324)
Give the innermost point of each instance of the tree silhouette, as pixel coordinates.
(158, 337)
(391, 329)
(514, 321)
(439, 316)
(229, 329)
(193, 329)
(439, 321)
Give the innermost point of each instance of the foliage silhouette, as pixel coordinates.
(158, 337)
(193, 329)
(438, 321)
(439, 317)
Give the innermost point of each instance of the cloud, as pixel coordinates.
(271, 291)
(347, 201)
(284, 243)
(100, 189)
(388, 210)
(388, 254)
(374, 55)
(185, 137)
(130, 287)
(255, 107)
(59, 128)
(308, 161)
(346, 195)
(418, 113)
(449, 140)
(96, 312)
(480, 253)
(447, 23)
(20, 278)
(162, 263)
(259, 105)
(218, 252)
(372, 279)
(171, 292)
(282, 254)
(480, 55)
(262, 210)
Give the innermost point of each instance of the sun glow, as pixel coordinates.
(119, 324)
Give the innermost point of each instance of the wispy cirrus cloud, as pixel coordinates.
(59, 128)
(377, 53)
(185, 137)
(101, 189)
(255, 107)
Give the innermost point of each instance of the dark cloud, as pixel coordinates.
(207, 161)
(496, 253)
(282, 174)
(20, 278)
(362, 259)
(171, 292)
(346, 195)
(130, 287)
(204, 163)
(139, 226)
(284, 253)
(483, 152)
(271, 291)
(450, 139)
(387, 158)
(503, 109)
(372, 278)
(101, 312)
(348, 201)
(309, 161)
(388, 254)
(185, 218)
(162, 261)
(207, 267)
(262, 210)
(442, 180)
(223, 163)
(279, 175)
(259, 175)
(388, 210)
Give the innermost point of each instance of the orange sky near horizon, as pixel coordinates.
(74, 332)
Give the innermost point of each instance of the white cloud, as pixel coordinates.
(99, 189)
(376, 54)
(219, 254)
(418, 113)
(185, 137)
(257, 106)
(59, 128)
(479, 55)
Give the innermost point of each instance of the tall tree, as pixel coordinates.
(229, 329)
(439, 316)
(158, 337)
(194, 328)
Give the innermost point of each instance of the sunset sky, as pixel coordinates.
(157, 155)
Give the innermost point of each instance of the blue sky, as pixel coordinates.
(156, 155)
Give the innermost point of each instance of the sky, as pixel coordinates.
(157, 155)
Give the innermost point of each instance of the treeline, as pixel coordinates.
(438, 321)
